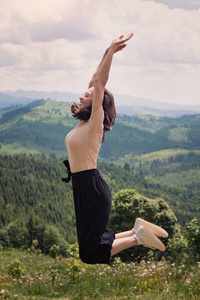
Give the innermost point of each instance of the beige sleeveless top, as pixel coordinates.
(84, 142)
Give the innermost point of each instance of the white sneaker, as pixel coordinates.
(148, 239)
(157, 230)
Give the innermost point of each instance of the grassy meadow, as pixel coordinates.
(16, 148)
(135, 160)
(28, 148)
(25, 275)
(179, 179)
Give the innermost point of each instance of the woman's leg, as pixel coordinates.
(128, 239)
(120, 244)
(124, 234)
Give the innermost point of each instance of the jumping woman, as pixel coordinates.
(92, 198)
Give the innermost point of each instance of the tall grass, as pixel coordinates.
(42, 277)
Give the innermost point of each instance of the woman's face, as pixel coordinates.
(86, 98)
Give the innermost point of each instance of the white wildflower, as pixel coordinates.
(173, 264)
(153, 267)
(188, 281)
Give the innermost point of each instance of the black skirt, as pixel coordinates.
(92, 199)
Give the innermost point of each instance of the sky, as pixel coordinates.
(48, 45)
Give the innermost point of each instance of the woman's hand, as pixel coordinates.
(119, 44)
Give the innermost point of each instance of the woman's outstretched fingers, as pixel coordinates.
(128, 37)
(122, 39)
(119, 43)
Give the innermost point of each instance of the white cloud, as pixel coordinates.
(27, 21)
(57, 44)
(185, 4)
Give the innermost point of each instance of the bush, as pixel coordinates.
(34, 248)
(54, 251)
(73, 268)
(16, 235)
(74, 265)
(73, 251)
(52, 237)
(13, 235)
(177, 249)
(15, 269)
(5, 239)
(193, 237)
(16, 232)
(129, 205)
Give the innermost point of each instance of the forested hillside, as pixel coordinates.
(164, 150)
(175, 167)
(31, 186)
(41, 126)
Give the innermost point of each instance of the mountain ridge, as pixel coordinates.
(125, 104)
(43, 124)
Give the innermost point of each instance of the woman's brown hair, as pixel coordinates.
(109, 112)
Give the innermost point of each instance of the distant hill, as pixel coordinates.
(174, 167)
(125, 104)
(41, 127)
(145, 110)
(54, 95)
(8, 100)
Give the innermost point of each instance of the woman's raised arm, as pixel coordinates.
(92, 81)
(101, 75)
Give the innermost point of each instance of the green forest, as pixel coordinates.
(41, 127)
(174, 167)
(31, 185)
